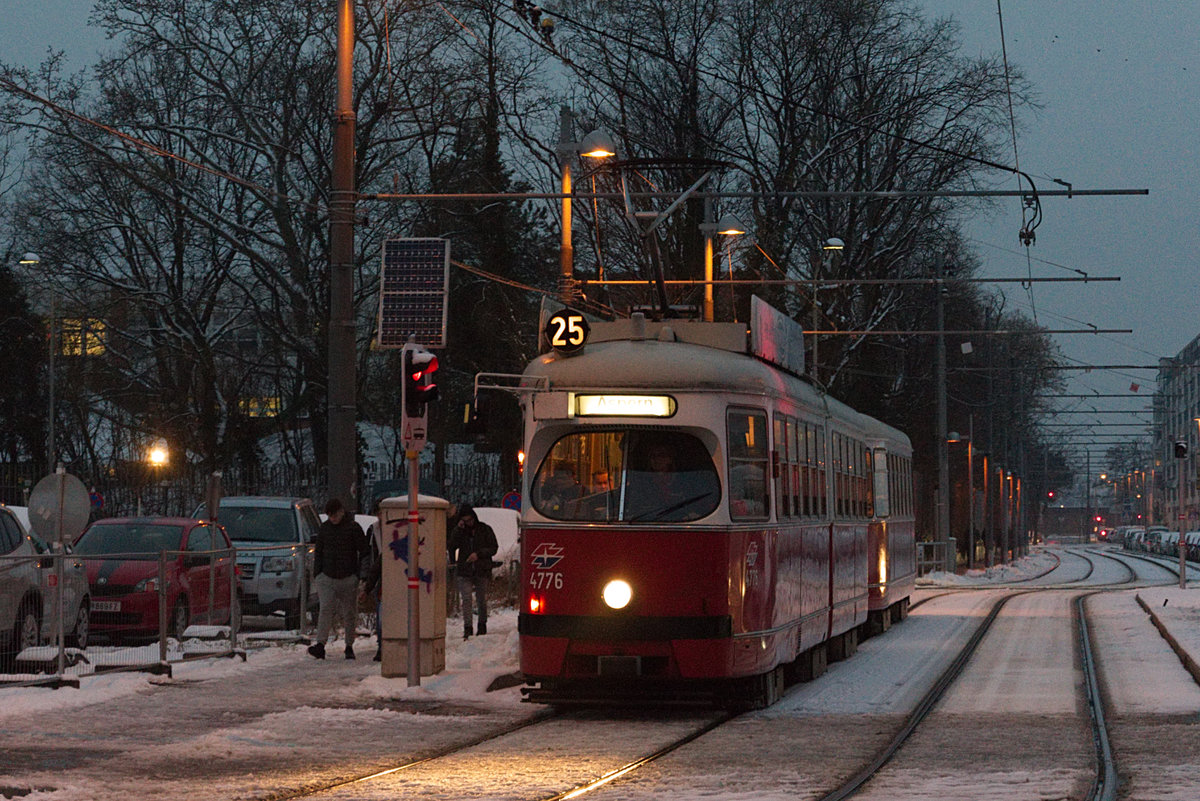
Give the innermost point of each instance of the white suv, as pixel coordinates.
(273, 538)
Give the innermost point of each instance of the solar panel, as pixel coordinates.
(413, 291)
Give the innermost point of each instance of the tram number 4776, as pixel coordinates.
(545, 580)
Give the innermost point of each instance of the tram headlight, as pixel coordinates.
(617, 594)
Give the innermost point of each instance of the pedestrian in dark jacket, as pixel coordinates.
(472, 545)
(371, 590)
(340, 548)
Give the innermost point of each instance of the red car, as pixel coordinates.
(122, 557)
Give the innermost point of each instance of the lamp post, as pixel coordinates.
(596, 145)
(728, 225)
(31, 259)
(832, 249)
(954, 436)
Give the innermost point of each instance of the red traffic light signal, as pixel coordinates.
(419, 387)
(1098, 518)
(1050, 494)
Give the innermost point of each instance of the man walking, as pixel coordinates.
(472, 545)
(340, 548)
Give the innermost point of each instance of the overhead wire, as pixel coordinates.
(142, 144)
(859, 124)
(1027, 225)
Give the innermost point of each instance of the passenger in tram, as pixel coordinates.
(598, 502)
(560, 490)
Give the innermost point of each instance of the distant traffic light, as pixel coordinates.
(1180, 449)
(419, 387)
(1050, 494)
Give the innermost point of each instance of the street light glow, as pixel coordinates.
(159, 455)
(597, 145)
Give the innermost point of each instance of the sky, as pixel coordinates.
(1119, 82)
(289, 719)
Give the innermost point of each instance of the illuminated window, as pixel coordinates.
(260, 407)
(82, 337)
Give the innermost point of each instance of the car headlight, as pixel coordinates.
(277, 564)
(147, 585)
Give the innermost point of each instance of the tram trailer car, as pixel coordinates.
(701, 524)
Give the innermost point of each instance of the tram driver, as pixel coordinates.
(667, 489)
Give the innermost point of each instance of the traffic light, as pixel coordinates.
(1050, 494)
(1180, 449)
(419, 388)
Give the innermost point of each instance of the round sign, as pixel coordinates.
(567, 331)
(511, 500)
(59, 498)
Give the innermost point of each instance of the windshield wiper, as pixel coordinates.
(659, 513)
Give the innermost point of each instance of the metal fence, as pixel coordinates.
(931, 556)
(134, 491)
(69, 616)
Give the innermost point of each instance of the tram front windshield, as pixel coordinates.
(627, 477)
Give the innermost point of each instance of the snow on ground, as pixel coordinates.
(350, 699)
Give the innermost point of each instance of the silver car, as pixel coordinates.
(20, 591)
(29, 571)
(274, 540)
(29, 591)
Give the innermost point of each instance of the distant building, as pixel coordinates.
(1177, 419)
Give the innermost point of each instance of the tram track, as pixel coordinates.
(394, 781)
(1105, 782)
(1103, 787)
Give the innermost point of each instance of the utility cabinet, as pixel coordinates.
(431, 592)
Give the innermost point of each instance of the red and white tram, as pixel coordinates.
(701, 522)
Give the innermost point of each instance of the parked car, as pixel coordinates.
(76, 598)
(271, 577)
(122, 560)
(21, 604)
(76, 595)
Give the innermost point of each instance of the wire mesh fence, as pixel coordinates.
(67, 615)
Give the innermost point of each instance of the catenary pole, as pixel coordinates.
(341, 367)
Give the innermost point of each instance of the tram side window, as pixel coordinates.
(788, 463)
(822, 488)
(796, 449)
(748, 462)
(839, 491)
(868, 486)
(782, 468)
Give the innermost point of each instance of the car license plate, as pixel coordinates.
(106, 606)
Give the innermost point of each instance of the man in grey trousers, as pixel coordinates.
(340, 548)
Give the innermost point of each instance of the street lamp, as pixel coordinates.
(728, 225)
(831, 250)
(158, 456)
(955, 437)
(596, 145)
(31, 259)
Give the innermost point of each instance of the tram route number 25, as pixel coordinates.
(545, 580)
(567, 331)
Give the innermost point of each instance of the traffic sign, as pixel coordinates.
(511, 500)
(59, 506)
